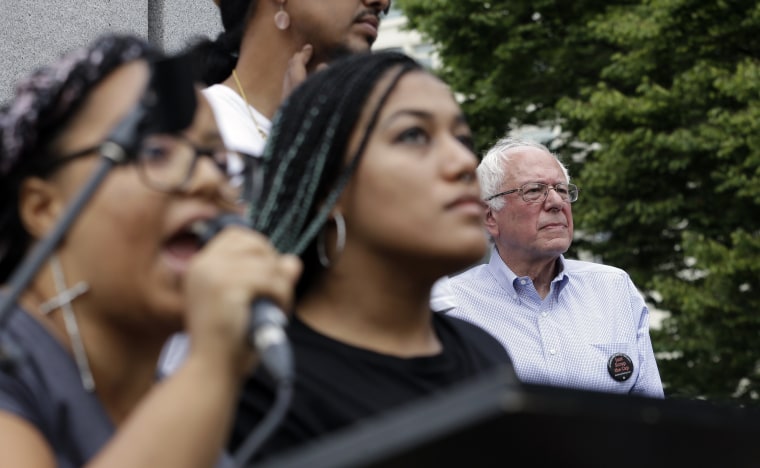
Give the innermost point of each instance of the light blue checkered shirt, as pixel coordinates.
(591, 313)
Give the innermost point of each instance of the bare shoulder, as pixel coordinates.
(22, 445)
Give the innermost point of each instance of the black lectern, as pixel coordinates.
(491, 422)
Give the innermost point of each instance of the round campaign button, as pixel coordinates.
(620, 367)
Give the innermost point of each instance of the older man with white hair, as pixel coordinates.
(565, 323)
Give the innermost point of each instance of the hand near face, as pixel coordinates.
(298, 69)
(224, 278)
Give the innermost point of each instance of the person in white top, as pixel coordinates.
(268, 47)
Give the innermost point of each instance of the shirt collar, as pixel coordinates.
(562, 278)
(501, 272)
(506, 277)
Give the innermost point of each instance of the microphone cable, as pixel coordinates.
(267, 335)
(261, 433)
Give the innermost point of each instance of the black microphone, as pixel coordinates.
(266, 328)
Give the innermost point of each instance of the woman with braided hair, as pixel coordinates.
(78, 382)
(370, 177)
(266, 48)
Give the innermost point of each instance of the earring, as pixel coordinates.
(340, 244)
(63, 301)
(281, 18)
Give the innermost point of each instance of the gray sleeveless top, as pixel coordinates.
(42, 386)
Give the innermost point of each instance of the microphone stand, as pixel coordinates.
(115, 150)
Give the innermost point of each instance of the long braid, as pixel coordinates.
(285, 162)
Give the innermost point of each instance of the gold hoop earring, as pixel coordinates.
(281, 18)
(340, 244)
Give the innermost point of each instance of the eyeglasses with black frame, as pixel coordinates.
(533, 192)
(165, 162)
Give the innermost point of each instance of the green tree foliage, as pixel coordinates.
(663, 98)
(511, 61)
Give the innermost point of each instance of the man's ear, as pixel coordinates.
(40, 206)
(491, 225)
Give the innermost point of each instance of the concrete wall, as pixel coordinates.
(35, 32)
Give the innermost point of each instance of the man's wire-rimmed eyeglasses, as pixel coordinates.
(533, 192)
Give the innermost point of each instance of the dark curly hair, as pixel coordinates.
(215, 59)
(35, 117)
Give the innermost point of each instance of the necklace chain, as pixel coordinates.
(263, 134)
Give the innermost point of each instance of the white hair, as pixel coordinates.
(492, 169)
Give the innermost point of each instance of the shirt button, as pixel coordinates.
(552, 351)
(543, 314)
(523, 282)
